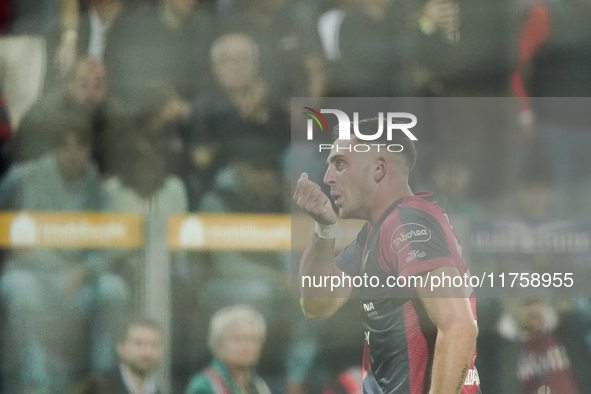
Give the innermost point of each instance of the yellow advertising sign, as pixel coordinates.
(249, 232)
(70, 230)
(230, 232)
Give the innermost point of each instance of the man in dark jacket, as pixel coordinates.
(140, 350)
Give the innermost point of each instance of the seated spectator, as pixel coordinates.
(85, 95)
(146, 186)
(95, 26)
(165, 42)
(87, 40)
(438, 47)
(62, 179)
(236, 336)
(160, 118)
(290, 52)
(139, 349)
(22, 48)
(50, 292)
(240, 107)
(368, 61)
(389, 48)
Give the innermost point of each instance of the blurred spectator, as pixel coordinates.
(88, 38)
(242, 106)
(84, 96)
(370, 42)
(541, 350)
(48, 292)
(236, 336)
(425, 37)
(161, 119)
(146, 186)
(63, 179)
(480, 61)
(552, 69)
(389, 48)
(96, 25)
(164, 44)
(22, 48)
(290, 53)
(139, 349)
(439, 38)
(329, 26)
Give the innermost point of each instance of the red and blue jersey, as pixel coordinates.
(411, 238)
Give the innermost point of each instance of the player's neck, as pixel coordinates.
(385, 198)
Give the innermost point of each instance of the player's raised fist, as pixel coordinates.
(309, 197)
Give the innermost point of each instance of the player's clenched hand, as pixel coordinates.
(309, 197)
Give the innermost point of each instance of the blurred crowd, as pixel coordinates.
(162, 107)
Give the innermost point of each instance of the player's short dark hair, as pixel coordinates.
(369, 126)
(137, 321)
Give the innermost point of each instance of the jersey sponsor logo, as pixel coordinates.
(369, 309)
(413, 254)
(407, 234)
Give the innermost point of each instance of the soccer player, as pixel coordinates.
(416, 341)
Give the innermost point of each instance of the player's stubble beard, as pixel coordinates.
(359, 198)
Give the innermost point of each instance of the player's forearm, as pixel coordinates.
(318, 261)
(454, 351)
(318, 258)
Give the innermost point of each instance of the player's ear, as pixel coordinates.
(380, 168)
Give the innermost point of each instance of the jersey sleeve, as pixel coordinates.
(417, 242)
(349, 260)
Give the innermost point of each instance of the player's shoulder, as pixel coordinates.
(418, 208)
